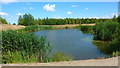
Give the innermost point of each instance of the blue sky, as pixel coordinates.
(11, 11)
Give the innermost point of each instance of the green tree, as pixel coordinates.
(114, 18)
(26, 19)
(118, 19)
(3, 21)
(14, 24)
(20, 20)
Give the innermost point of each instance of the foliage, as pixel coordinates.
(104, 31)
(3, 21)
(19, 47)
(112, 47)
(33, 28)
(61, 57)
(115, 19)
(14, 24)
(85, 29)
(26, 20)
(118, 19)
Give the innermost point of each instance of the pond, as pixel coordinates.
(72, 42)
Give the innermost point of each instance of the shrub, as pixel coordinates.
(26, 46)
(114, 45)
(87, 29)
(112, 48)
(104, 31)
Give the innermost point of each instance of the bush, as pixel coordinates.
(114, 45)
(17, 47)
(112, 48)
(104, 31)
(85, 29)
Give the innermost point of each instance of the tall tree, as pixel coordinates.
(115, 18)
(3, 21)
(20, 20)
(26, 19)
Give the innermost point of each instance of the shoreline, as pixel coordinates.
(91, 62)
(5, 27)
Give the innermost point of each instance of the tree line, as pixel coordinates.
(28, 19)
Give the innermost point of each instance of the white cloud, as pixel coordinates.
(57, 17)
(86, 8)
(19, 13)
(7, 1)
(3, 13)
(116, 14)
(75, 5)
(50, 8)
(110, 15)
(69, 12)
(31, 8)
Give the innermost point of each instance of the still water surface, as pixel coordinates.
(72, 42)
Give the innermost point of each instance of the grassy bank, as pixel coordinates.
(107, 33)
(85, 28)
(21, 46)
(33, 28)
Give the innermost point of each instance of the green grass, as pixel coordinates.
(33, 28)
(85, 29)
(26, 48)
(23, 47)
(109, 32)
(61, 57)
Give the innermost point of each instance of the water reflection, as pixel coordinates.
(73, 42)
(102, 46)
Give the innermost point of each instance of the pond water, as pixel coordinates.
(72, 42)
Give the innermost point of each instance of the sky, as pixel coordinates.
(59, 0)
(11, 11)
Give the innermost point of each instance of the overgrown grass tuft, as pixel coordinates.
(22, 47)
(61, 57)
(33, 28)
(108, 31)
(104, 31)
(85, 29)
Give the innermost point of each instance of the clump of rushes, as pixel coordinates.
(85, 29)
(33, 28)
(61, 57)
(22, 47)
(104, 31)
(110, 32)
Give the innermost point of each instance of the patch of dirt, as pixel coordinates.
(4, 27)
(73, 25)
